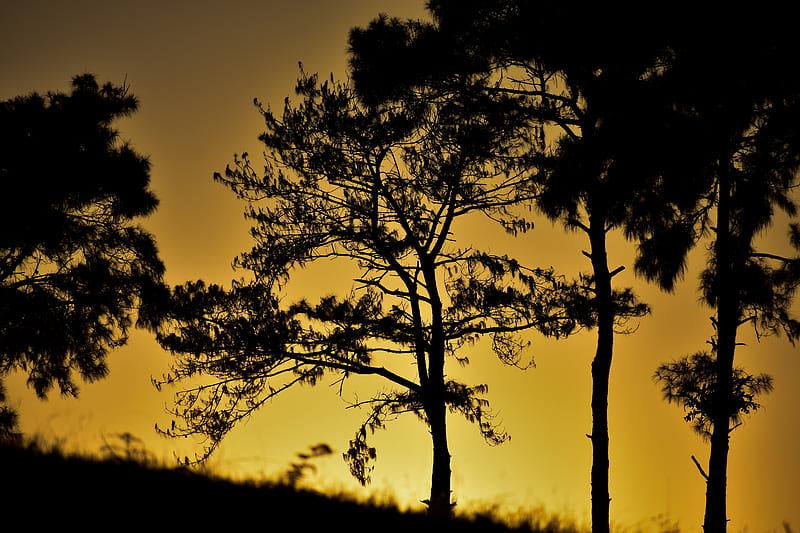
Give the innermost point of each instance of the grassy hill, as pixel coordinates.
(45, 490)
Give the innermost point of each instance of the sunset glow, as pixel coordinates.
(195, 69)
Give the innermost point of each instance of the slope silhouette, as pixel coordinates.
(46, 489)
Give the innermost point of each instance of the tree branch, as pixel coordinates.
(700, 468)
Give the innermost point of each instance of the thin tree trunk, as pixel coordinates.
(435, 402)
(601, 369)
(436, 411)
(716, 519)
(439, 505)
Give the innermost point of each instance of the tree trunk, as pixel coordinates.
(435, 402)
(716, 520)
(728, 314)
(439, 505)
(601, 369)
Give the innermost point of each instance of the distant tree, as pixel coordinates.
(606, 138)
(74, 266)
(746, 97)
(380, 187)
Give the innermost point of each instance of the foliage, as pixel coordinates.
(753, 158)
(380, 187)
(597, 149)
(8, 420)
(631, 138)
(73, 265)
(690, 382)
(752, 168)
(126, 448)
(298, 470)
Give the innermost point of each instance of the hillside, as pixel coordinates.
(44, 489)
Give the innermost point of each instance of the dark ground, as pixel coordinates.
(44, 490)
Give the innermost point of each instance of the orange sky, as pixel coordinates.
(196, 67)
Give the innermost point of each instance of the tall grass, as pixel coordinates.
(125, 483)
(124, 487)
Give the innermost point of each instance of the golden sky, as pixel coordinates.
(196, 67)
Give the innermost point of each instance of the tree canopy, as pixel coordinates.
(384, 188)
(638, 138)
(601, 159)
(745, 96)
(74, 265)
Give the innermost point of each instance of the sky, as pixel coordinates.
(196, 68)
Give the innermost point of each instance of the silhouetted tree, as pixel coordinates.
(8, 420)
(605, 142)
(380, 187)
(691, 383)
(746, 95)
(73, 263)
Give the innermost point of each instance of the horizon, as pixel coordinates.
(195, 71)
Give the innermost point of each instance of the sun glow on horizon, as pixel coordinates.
(196, 70)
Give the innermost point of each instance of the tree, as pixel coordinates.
(586, 95)
(691, 382)
(8, 420)
(380, 187)
(754, 161)
(74, 266)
